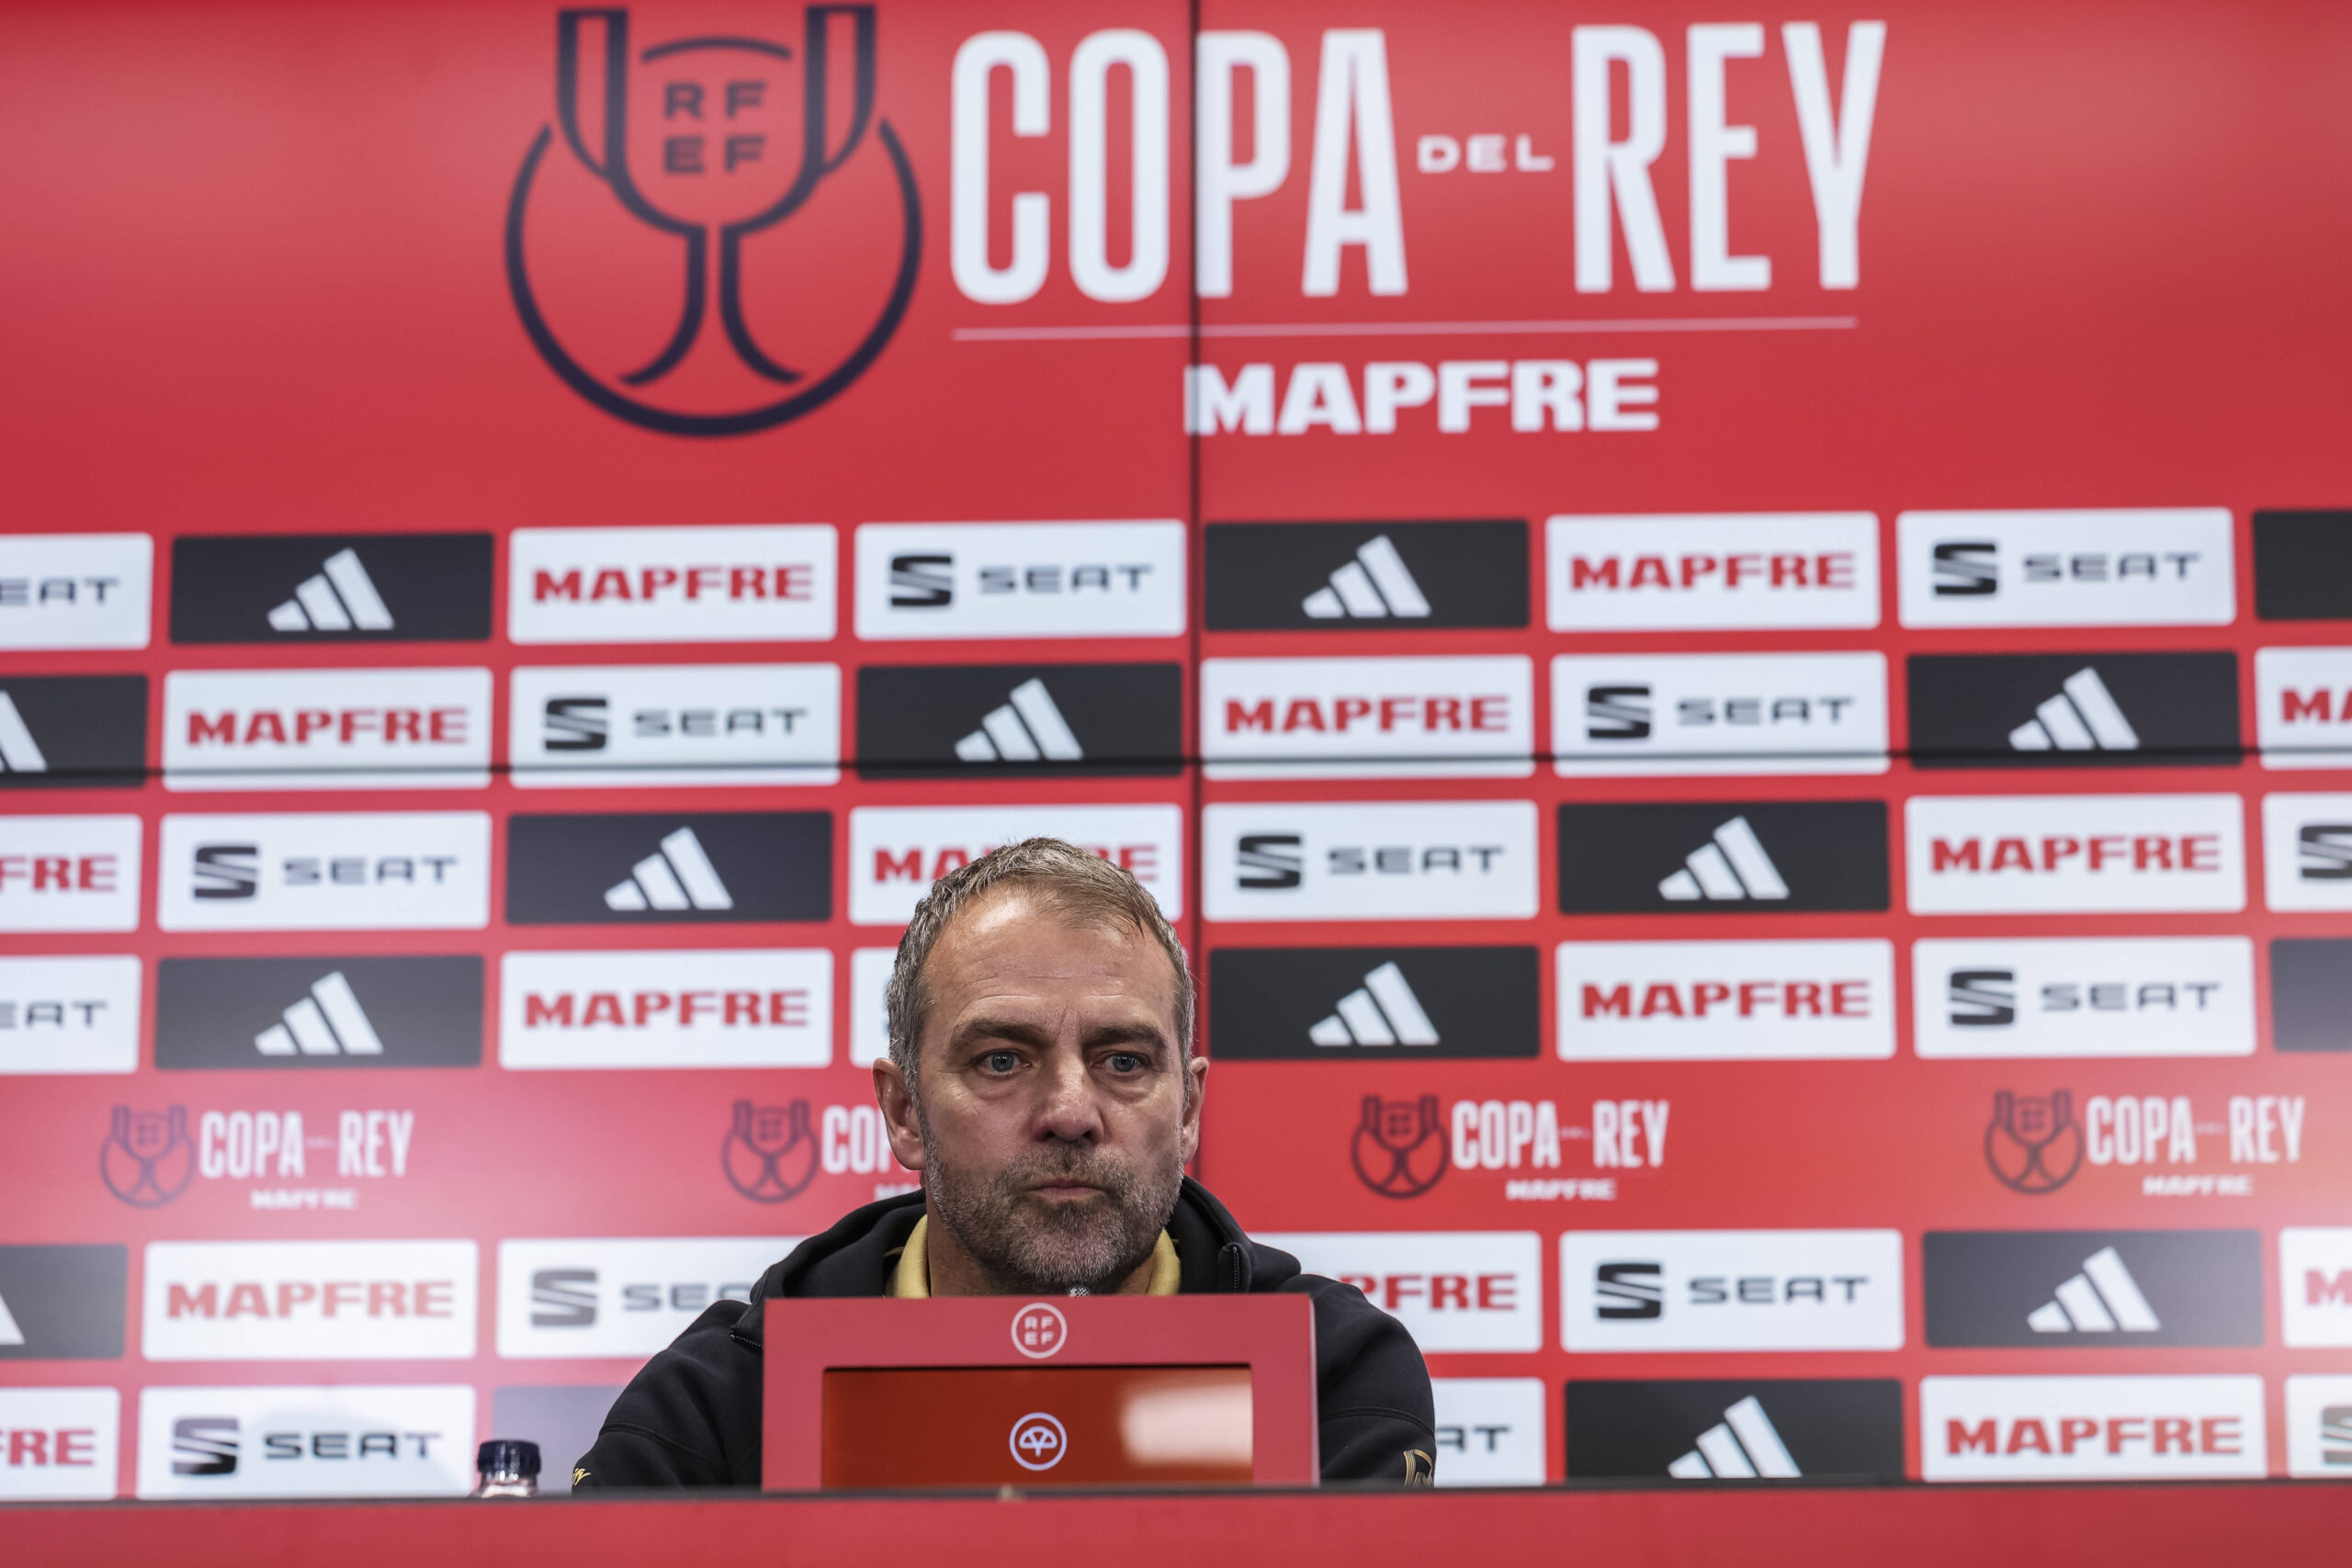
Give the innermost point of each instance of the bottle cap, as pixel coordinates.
(508, 1458)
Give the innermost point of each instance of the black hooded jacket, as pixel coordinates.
(692, 1417)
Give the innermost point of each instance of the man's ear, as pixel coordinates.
(1196, 1076)
(898, 1103)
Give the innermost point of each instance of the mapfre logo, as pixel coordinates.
(620, 1297)
(2120, 1428)
(69, 874)
(1731, 1291)
(896, 853)
(326, 729)
(58, 1442)
(1368, 717)
(1687, 1001)
(2084, 997)
(308, 1300)
(710, 144)
(732, 1007)
(2051, 854)
(2160, 567)
(2303, 706)
(753, 582)
(69, 1015)
(1454, 1290)
(1713, 573)
(931, 580)
(2315, 1288)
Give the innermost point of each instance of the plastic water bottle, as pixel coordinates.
(506, 1467)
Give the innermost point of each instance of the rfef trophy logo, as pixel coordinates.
(683, 160)
(1398, 1149)
(770, 1152)
(2034, 1144)
(147, 1157)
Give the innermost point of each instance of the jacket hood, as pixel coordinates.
(857, 1256)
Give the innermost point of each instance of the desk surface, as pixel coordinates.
(1919, 1527)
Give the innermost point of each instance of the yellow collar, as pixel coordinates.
(911, 1280)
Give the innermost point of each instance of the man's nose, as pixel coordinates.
(1069, 1110)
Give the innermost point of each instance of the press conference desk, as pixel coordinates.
(1808, 1526)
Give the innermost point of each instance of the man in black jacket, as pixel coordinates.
(1041, 1079)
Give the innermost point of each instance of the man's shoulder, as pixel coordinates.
(690, 1417)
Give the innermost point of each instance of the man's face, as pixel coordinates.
(1052, 1123)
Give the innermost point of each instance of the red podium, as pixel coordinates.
(1083, 1391)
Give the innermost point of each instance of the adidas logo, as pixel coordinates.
(1373, 586)
(1384, 1012)
(2101, 1300)
(680, 877)
(327, 1022)
(19, 752)
(1742, 1447)
(9, 1333)
(1732, 864)
(2082, 717)
(341, 598)
(1028, 728)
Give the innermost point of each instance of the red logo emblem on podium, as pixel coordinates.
(1038, 1330)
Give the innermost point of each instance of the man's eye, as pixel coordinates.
(1125, 1062)
(1000, 1061)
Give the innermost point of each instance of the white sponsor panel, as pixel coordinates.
(326, 730)
(1726, 1002)
(69, 1015)
(76, 590)
(2302, 706)
(1450, 860)
(308, 1300)
(2318, 1428)
(2315, 1288)
(2089, 997)
(1710, 572)
(869, 1015)
(2068, 854)
(1454, 1290)
(596, 1296)
(749, 582)
(69, 874)
(1731, 1291)
(58, 1444)
(896, 853)
(729, 1007)
(1319, 718)
(2307, 852)
(929, 581)
(2118, 566)
(408, 1440)
(2092, 1428)
(325, 870)
(599, 727)
(1619, 714)
(1489, 1431)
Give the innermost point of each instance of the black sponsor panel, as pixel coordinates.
(1365, 576)
(684, 867)
(2093, 1290)
(1020, 720)
(2311, 994)
(1353, 1004)
(318, 1013)
(2302, 566)
(66, 1304)
(1722, 857)
(2039, 710)
(1652, 1429)
(332, 588)
(73, 730)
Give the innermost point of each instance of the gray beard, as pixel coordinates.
(1026, 1245)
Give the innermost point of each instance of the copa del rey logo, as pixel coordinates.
(786, 206)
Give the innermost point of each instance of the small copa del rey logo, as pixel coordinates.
(1039, 1330)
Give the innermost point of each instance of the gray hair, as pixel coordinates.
(1084, 889)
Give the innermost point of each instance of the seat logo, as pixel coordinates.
(1039, 1330)
(1038, 1441)
(1384, 1012)
(1373, 585)
(713, 143)
(2083, 717)
(1743, 1445)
